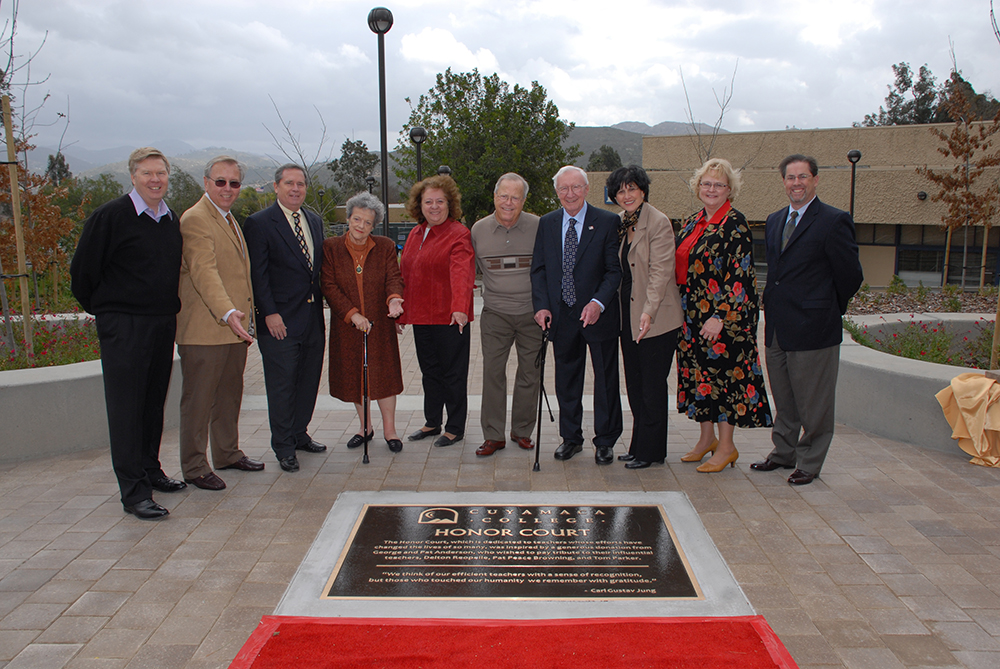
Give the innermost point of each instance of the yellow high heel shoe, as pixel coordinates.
(694, 456)
(711, 469)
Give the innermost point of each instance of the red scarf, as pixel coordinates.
(684, 249)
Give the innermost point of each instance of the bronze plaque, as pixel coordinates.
(512, 552)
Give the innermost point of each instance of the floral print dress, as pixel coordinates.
(721, 381)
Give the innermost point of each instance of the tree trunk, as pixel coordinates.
(947, 257)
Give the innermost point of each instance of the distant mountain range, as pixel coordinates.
(625, 137)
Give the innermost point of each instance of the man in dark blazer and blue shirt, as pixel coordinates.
(285, 243)
(813, 271)
(575, 274)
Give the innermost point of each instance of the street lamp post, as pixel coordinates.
(854, 156)
(380, 21)
(370, 180)
(444, 170)
(417, 136)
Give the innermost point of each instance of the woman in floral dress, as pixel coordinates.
(719, 377)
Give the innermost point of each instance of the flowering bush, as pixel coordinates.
(929, 342)
(56, 343)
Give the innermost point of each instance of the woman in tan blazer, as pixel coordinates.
(651, 313)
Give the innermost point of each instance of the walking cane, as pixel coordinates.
(364, 398)
(540, 364)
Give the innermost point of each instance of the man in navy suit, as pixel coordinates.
(813, 271)
(575, 274)
(285, 243)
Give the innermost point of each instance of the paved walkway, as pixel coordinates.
(891, 559)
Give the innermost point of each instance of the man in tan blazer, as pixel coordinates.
(214, 328)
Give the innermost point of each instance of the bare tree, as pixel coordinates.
(295, 150)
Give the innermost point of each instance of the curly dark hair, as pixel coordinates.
(445, 184)
(623, 176)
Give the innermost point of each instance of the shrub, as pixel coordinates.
(56, 343)
(897, 286)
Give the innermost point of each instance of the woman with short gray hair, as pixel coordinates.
(362, 284)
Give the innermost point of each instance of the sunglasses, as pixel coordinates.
(221, 183)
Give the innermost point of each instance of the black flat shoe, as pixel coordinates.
(628, 457)
(289, 464)
(445, 440)
(423, 434)
(357, 440)
(395, 445)
(311, 447)
(641, 464)
(167, 484)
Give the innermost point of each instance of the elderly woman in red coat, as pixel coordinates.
(362, 283)
(439, 270)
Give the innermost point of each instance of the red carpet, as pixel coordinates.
(286, 642)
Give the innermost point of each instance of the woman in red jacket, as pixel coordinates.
(438, 270)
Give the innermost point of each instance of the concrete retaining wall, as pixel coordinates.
(53, 410)
(893, 397)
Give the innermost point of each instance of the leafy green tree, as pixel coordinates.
(250, 202)
(923, 101)
(86, 194)
(57, 170)
(184, 191)
(481, 128)
(604, 159)
(356, 162)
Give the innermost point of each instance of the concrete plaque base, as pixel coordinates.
(519, 555)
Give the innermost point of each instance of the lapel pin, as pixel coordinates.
(590, 227)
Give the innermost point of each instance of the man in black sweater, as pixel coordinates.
(125, 271)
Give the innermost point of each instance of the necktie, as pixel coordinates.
(786, 234)
(297, 219)
(236, 231)
(568, 263)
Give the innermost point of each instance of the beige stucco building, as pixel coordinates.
(898, 232)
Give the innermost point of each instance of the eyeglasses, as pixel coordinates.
(578, 188)
(708, 185)
(797, 177)
(509, 198)
(625, 190)
(221, 183)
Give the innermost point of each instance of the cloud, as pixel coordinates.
(438, 48)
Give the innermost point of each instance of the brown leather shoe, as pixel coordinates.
(245, 464)
(800, 477)
(490, 447)
(209, 481)
(523, 442)
(769, 465)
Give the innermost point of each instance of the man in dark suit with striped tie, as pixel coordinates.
(286, 248)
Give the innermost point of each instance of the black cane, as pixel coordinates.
(364, 398)
(540, 364)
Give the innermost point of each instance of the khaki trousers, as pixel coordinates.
(211, 396)
(498, 333)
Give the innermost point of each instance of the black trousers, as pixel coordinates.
(647, 366)
(443, 355)
(137, 354)
(292, 369)
(570, 351)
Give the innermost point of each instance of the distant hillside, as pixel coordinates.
(662, 129)
(625, 137)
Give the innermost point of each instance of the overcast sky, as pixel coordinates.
(135, 71)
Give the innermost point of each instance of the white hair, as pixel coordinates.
(569, 168)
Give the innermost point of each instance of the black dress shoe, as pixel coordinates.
(627, 457)
(445, 440)
(289, 464)
(209, 481)
(423, 434)
(311, 447)
(769, 465)
(147, 509)
(395, 445)
(567, 450)
(357, 440)
(604, 455)
(245, 464)
(800, 477)
(166, 484)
